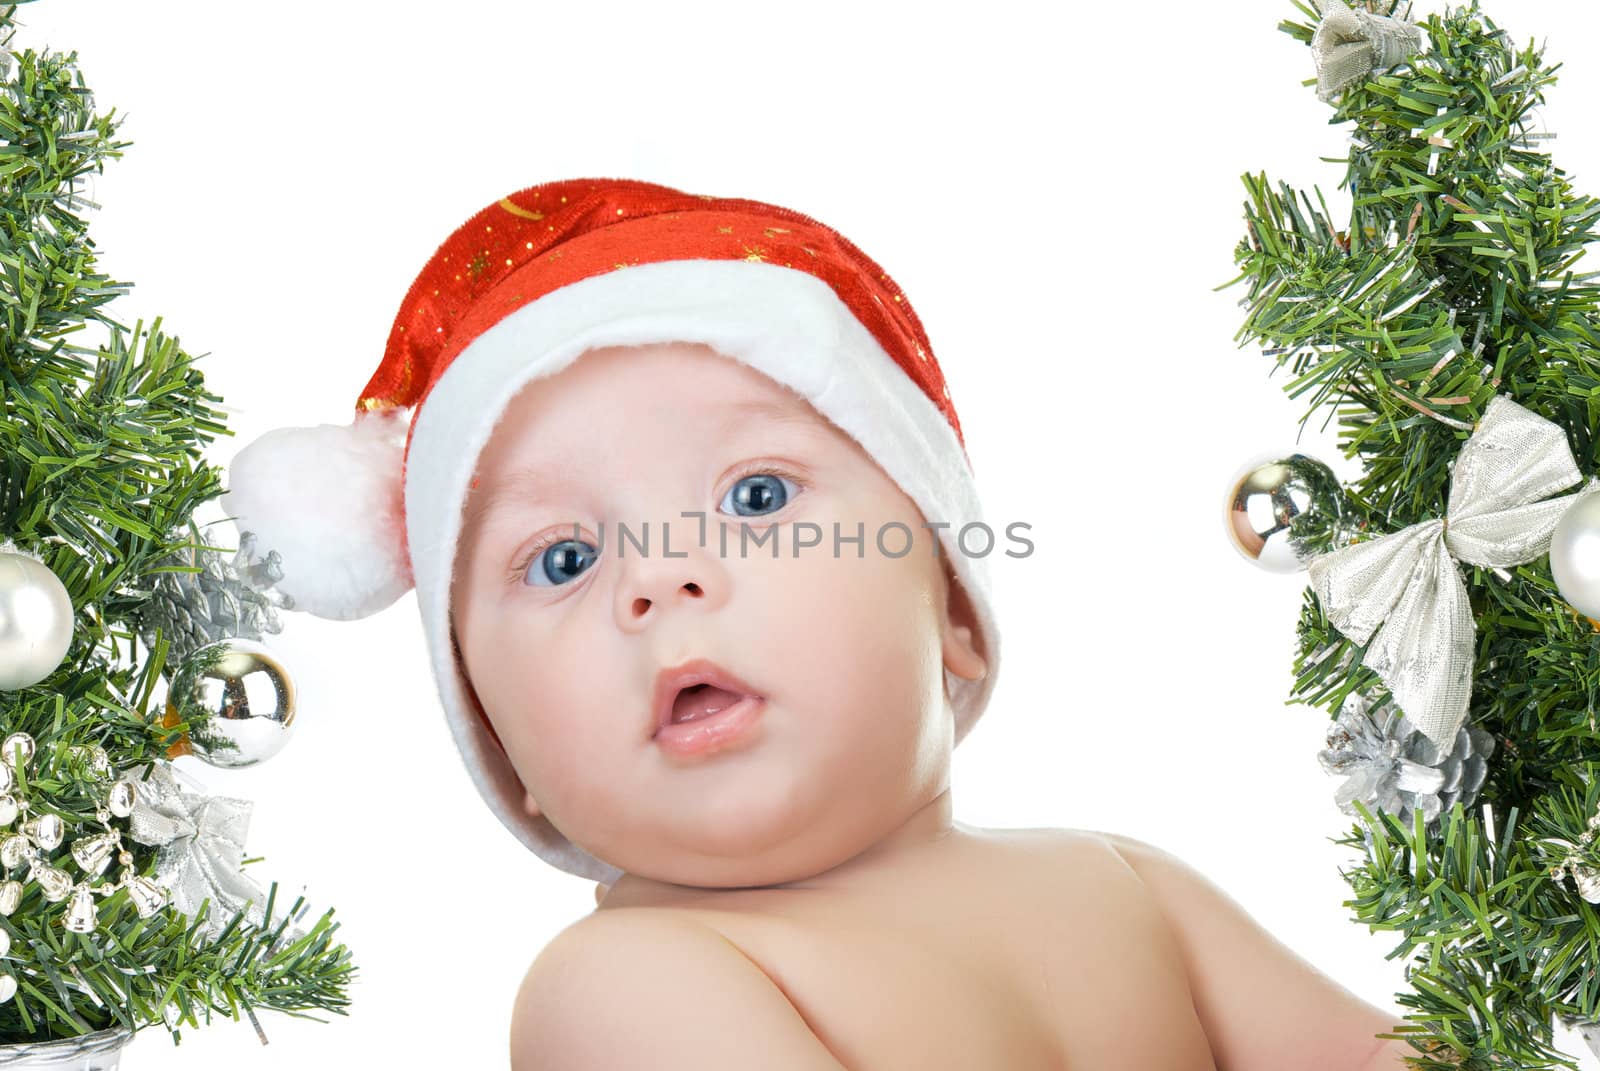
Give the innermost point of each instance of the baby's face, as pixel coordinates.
(562, 645)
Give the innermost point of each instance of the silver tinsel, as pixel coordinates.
(226, 599)
(1390, 765)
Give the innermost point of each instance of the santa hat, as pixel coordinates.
(362, 512)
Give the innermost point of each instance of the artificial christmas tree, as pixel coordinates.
(1461, 349)
(122, 898)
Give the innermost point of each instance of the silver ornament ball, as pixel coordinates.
(35, 621)
(17, 744)
(14, 850)
(239, 702)
(1575, 555)
(121, 799)
(1284, 509)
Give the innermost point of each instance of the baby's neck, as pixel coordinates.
(929, 827)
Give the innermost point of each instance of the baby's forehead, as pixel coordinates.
(628, 382)
(520, 457)
(727, 420)
(642, 379)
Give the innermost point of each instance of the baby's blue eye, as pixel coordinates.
(560, 561)
(761, 491)
(566, 559)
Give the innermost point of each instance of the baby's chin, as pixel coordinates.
(646, 885)
(705, 851)
(789, 846)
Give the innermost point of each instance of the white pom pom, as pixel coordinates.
(328, 500)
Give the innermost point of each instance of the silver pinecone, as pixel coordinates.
(226, 599)
(1390, 765)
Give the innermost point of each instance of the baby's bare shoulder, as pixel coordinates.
(1085, 859)
(1114, 978)
(1261, 1004)
(1081, 875)
(631, 987)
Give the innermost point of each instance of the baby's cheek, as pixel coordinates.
(540, 704)
(850, 624)
(571, 769)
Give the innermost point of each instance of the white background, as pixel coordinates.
(1057, 199)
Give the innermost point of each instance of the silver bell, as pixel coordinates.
(80, 913)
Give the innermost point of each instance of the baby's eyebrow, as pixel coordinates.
(530, 483)
(766, 409)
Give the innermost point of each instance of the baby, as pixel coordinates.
(691, 524)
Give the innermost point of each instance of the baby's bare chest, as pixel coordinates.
(1031, 962)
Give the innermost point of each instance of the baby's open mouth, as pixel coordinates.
(698, 689)
(701, 700)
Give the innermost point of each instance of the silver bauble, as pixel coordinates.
(10, 896)
(1575, 555)
(239, 702)
(8, 810)
(14, 745)
(1284, 509)
(8, 987)
(35, 621)
(14, 850)
(120, 799)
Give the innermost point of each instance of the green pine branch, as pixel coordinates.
(101, 470)
(1455, 279)
(138, 971)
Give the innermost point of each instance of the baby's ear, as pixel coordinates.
(530, 804)
(964, 654)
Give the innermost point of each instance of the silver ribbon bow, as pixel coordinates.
(202, 845)
(1407, 581)
(1351, 43)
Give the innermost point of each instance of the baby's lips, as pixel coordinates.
(674, 679)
